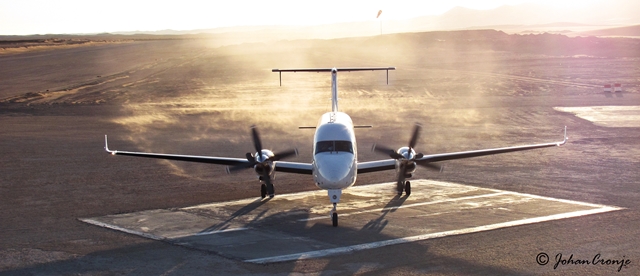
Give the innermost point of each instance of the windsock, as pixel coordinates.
(379, 12)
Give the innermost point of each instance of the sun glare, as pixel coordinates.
(73, 16)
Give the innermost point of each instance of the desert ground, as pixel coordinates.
(469, 90)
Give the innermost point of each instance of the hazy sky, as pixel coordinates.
(22, 17)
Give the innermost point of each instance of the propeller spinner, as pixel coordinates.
(407, 159)
(262, 161)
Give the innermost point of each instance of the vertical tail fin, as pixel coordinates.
(334, 90)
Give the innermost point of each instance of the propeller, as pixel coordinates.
(262, 159)
(407, 157)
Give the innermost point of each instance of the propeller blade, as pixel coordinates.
(256, 139)
(414, 136)
(431, 166)
(284, 154)
(231, 169)
(386, 150)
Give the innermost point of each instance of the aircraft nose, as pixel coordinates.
(334, 168)
(333, 174)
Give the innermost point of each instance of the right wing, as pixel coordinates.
(190, 158)
(389, 164)
(376, 166)
(475, 153)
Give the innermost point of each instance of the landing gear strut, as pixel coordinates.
(406, 187)
(334, 196)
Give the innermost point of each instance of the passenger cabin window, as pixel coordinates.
(334, 146)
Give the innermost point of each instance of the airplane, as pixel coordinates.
(334, 165)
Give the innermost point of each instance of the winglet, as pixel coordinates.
(106, 146)
(565, 137)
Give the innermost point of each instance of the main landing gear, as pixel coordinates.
(266, 189)
(406, 187)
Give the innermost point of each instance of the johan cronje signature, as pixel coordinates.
(597, 260)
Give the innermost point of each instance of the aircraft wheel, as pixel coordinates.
(271, 190)
(334, 219)
(263, 190)
(407, 188)
(399, 188)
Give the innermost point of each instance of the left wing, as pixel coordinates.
(293, 167)
(189, 158)
(281, 166)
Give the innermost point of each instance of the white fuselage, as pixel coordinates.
(334, 152)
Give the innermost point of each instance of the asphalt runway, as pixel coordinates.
(253, 230)
(494, 215)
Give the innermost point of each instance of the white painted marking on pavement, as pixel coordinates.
(408, 205)
(358, 247)
(209, 233)
(114, 227)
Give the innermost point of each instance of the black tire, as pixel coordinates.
(334, 219)
(407, 188)
(263, 190)
(399, 188)
(271, 190)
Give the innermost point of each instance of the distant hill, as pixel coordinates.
(457, 44)
(631, 31)
(525, 18)
(449, 41)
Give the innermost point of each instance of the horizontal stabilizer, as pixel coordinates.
(312, 127)
(349, 69)
(346, 69)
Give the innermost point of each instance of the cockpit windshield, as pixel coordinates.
(334, 146)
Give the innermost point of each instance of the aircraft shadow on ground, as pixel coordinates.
(240, 212)
(160, 258)
(379, 223)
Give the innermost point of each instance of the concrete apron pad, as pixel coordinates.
(297, 226)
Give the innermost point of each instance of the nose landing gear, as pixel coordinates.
(334, 196)
(334, 216)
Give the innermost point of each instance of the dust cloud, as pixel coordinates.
(458, 85)
(215, 98)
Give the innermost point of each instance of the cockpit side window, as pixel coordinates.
(334, 146)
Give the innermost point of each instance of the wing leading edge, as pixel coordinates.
(178, 157)
(289, 167)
